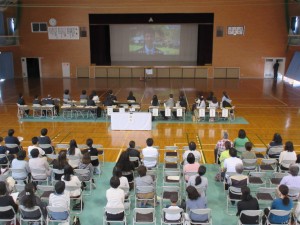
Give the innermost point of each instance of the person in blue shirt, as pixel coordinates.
(281, 203)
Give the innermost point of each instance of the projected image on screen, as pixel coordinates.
(155, 40)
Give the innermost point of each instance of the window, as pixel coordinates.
(38, 27)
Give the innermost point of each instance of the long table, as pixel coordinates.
(131, 121)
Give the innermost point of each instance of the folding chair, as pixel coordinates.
(167, 192)
(171, 211)
(106, 221)
(4, 158)
(39, 175)
(62, 146)
(279, 213)
(260, 152)
(100, 149)
(171, 178)
(249, 165)
(276, 178)
(285, 162)
(45, 191)
(13, 148)
(24, 214)
(15, 173)
(257, 179)
(82, 174)
(4, 209)
(275, 151)
(171, 151)
(237, 197)
(95, 157)
(171, 163)
(251, 213)
(294, 193)
(146, 189)
(202, 212)
(51, 210)
(265, 196)
(268, 165)
(144, 216)
(80, 198)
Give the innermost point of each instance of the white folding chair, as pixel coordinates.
(202, 212)
(52, 209)
(265, 196)
(82, 174)
(174, 212)
(112, 210)
(144, 216)
(15, 173)
(24, 212)
(5, 209)
(5, 160)
(45, 191)
(167, 192)
(80, 198)
(251, 213)
(279, 213)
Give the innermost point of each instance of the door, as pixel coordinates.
(33, 67)
(6, 65)
(268, 70)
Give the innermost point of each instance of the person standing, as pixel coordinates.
(275, 67)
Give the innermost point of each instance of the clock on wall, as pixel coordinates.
(235, 30)
(52, 22)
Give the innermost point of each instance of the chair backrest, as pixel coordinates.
(4, 209)
(23, 210)
(253, 213)
(113, 210)
(11, 145)
(275, 150)
(19, 187)
(171, 148)
(144, 211)
(206, 211)
(45, 188)
(52, 156)
(280, 213)
(62, 146)
(133, 158)
(258, 174)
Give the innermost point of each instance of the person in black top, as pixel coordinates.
(126, 166)
(275, 67)
(60, 163)
(6, 200)
(247, 203)
(112, 96)
(36, 100)
(131, 97)
(44, 139)
(134, 153)
(91, 102)
(93, 152)
(2, 151)
(182, 100)
(21, 101)
(49, 101)
(11, 139)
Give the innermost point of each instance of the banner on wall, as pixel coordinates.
(63, 33)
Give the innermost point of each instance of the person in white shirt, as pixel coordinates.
(124, 185)
(115, 200)
(60, 198)
(34, 141)
(173, 217)
(71, 181)
(37, 163)
(20, 164)
(226, 101)
(231, 162)
(287, 154)
(75, 152)
(293, 179)
(149, 151)
(192, 149)
(170, 103)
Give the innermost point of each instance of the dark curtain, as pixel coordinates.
(205, 44)
(100, 45)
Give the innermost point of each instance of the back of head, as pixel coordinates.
(242, 133)
(21, 155)
(248, 146)
(131, 144)
(60, 187)
(83, 92)
(289, 146)
(225, 135)
(89, 142)
(3, 189)
(34, 153)
(190, 158)
(239, 168)
(149, 142)
(277, 138)
(174, 198)
(192, 193)
(284, 190)
(114, 182)
(171, 95)
(29, 199)
(232, 152)
(227, 144)
(246, 193)
(192, 146)
(34, 140)
(68, 171)
(294, 170)
(44, 131)
(117, 172)
(10, 132)
(142, 171)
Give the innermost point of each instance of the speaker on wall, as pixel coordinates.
(220, 31)
(83, 32)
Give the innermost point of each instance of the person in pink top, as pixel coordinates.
(192, 166)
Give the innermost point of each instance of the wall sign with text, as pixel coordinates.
(63, 33)
(236, 30)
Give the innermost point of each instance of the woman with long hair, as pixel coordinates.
(199, 181)
(154, 101)
(60, 163)
(126, 166)
(71, 181)
(281, 203)
(86, 164)
(196, 201)
(75, 152)
(29, 200)
(247, 203)
(241, 140)
(287, 154)
(131, 97)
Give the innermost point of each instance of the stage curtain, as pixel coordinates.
(205, 44)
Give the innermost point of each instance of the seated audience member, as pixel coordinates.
(241, 140)
(124, 185)
(213, 104)
(9, 181)
(83, 95)
(150, 151)
(60, 198)
(112, 96)
(21, 101)
(131, 97)
(292, 180)
(231, 162)
(170, 103)
(192, 166)
(225, 154)
(154, 101)
(86, 164)
(49, 101)
(226, 101)
(126, 167)
(6, 200)
(281, 203)
(95, 96)
(144, 186)
(276, 142)
(30, 200)
(44, 139)
(115, 197)
(93, 152)
(173, 217)
(182, 100)
(195, 201)
(199, 181)
(71, 181)
(91, 102)
(35, 145)
(220, 146)
(192, 149)
(237, 180)
(134, 153)
(3, 150)
(60, 164)
(37, 163)
(11, 139)
(287, 154)
(21, 164)
(248, 154)
(74, 151)
(199, 103)
(247, 203)
(36, 100)
(66, 95)
(210, 96)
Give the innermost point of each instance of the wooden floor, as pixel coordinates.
(268, 107)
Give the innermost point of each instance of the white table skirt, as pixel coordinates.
(131, 121)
